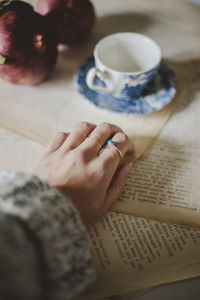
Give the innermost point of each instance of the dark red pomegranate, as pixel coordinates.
(72, 19)
(28, 44)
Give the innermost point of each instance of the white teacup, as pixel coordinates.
(125, 63)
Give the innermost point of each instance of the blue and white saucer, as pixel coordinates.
(155, 96)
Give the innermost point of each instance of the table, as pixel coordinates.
(183, 56)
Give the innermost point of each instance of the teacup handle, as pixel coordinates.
(102, 75)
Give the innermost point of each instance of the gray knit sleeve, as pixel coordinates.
(44, 249)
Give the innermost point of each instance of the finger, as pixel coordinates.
(78, 135)
(116, 187)
(57, 142)
(128, 158)
(111, 155)
(99, 137)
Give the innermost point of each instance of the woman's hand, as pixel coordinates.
(80, 165)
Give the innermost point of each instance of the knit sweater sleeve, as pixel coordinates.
(44, 252)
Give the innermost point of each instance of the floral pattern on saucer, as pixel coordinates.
(154, 97)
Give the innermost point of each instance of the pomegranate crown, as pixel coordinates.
(4, 3)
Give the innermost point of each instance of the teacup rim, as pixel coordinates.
(99, 43)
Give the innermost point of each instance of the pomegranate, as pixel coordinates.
(73, 19)
(28, 44)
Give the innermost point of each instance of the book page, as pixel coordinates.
(135, 253)
(165, 184)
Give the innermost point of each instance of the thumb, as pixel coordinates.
(117, 186)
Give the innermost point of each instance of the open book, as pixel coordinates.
(133, 254)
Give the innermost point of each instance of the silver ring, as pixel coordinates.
(110, 144)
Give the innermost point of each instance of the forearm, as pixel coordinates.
(52, 235)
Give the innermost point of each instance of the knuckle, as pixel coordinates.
(123, 138)
(96, 139)
(126, 137)
(83, 125)
(106, 126)
(62, 135)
